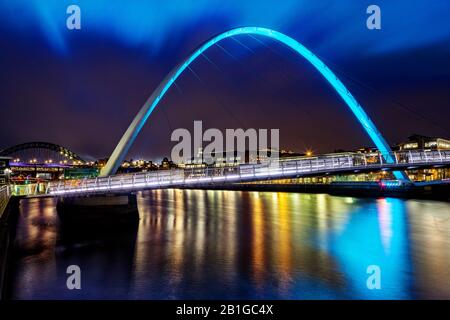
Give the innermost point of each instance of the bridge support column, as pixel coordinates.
(104, 209)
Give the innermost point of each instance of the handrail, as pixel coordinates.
(4, 198)
(249, 172)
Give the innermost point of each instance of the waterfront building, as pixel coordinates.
(423, 142)
(235, 158)
(81, 173)
(167, 164)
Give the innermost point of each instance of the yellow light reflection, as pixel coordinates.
(258, 260)
(284, 254)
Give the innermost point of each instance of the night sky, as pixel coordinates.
(81, 88)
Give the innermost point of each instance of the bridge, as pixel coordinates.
(386, 159)
(41, 153)
(140, 119)
(37, 160)
(280, 169)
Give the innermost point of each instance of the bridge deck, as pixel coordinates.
(281, 169)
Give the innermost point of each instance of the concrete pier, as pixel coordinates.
(99, 208)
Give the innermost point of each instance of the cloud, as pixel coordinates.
(325, 25)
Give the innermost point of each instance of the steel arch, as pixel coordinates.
(138, 122)
(41, 145)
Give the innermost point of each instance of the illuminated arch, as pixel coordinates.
(135, 127)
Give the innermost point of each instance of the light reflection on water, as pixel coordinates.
(202, 244)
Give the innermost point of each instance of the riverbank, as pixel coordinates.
(8, 220)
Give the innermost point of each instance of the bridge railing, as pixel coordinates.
(4, 198)
(251, 172)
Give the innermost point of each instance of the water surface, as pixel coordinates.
(196, 244)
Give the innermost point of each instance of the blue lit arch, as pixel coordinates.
(135, 127)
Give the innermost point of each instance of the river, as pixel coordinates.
(197, 244)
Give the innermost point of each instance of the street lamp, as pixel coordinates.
(7, 172)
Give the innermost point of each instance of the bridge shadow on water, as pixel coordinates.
(103, 252)
(45, 247)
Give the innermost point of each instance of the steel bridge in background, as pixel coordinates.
(38, 152)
